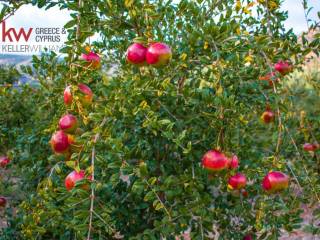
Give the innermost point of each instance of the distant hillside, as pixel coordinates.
(18, 60)
(15, 59)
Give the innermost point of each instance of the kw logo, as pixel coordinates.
(11, 34)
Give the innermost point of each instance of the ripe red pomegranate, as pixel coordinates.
(4, 161)
(74, 177)
(237, 181)
(136, 54)
(86, 94)
(275, 181)
(3, 202)
(68, 123)
(234, 162)
(60, 142)
(283, 67)
(310, 147)
(215, 160)
(158, 54)
(93, 59)
(268, 116)
(67, 96)
(270, 78)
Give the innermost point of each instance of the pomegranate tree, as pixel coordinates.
(162, 141)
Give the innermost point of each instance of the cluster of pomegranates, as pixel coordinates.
(4, 161)
(215, 161)
(156, 54)
(281, 68)
(63, 141)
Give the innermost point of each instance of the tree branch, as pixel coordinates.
(92, 196)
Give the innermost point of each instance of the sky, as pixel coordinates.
(30, 16)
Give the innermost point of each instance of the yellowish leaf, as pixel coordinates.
(219, 90)
(128, 3)
(238, 31)
(206, 45)
(183, 56)
(144, 104)
(248, 58)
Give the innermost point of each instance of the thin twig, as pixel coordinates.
(280, 125)
(11, 13)
(301, 156)
(201, 229)
(159, 199)
(268, 20)
(92, 196)
(51, 172)
(167, 110)
(305, 6)
(78, 21)
(95, 213)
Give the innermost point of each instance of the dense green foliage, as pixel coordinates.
(153, 125)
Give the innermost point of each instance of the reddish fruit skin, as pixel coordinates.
(310, 147)
(267, 116)
(93, 60)
(245, 194)
(269, 77)
(68, 123)
(158, 54)
(247, 237)
(74, 177)
(3, 202)
(87, 94)
(67, 96)
(60, 142)
(136, 54)
(275, 181)
(215, 161)
(234, 162)
(4, 161)
(237, 181)
(283, 67)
